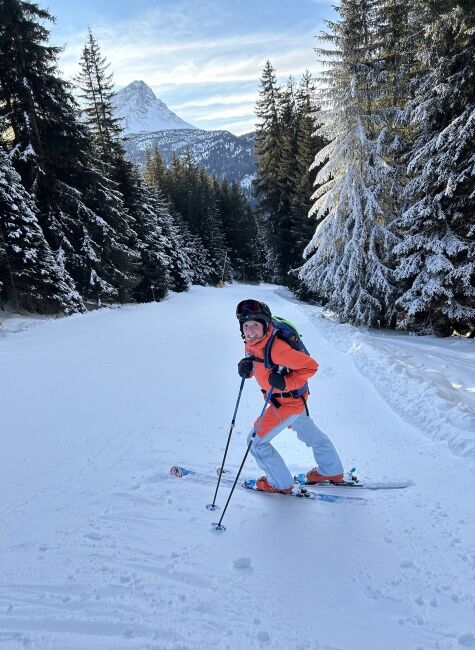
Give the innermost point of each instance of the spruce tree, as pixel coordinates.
(30, 276)
(79, 208)
(177, 247)
(155, 169)
(96, 85)
(219, 223)
(177, 187)
(287, 179)
(308, 144)
(347, 265)
(268, 147)
(437, 251)
(285, 150)
(240, 230)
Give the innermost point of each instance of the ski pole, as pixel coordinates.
(219, 525)
(212, 506)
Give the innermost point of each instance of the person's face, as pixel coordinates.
(253, 330)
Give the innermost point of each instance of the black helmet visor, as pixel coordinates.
(248, 307)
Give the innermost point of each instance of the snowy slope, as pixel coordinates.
(140, 110)
(102, 549)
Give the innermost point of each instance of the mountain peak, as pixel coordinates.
(139, 85)
(141, 111)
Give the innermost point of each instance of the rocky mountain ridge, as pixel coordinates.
(149, 123)
(141, 111)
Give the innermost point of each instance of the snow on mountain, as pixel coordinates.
(102, 549)
(141, 110)
(149, 123)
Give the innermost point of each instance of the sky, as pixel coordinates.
(203, 59)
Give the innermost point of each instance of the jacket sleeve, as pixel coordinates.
(301, 365)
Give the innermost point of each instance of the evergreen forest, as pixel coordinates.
(364, 188)
(391, 191)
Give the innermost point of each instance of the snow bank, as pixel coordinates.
(12, 322)
(430, 382)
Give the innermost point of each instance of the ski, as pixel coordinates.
(302, 492)
(299, 491)
(353, 482)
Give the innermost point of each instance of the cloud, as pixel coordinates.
(217, 100)
(172, 47)
(238, 127)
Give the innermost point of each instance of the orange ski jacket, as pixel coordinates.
(301, 366)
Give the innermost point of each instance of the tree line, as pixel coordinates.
(392, 203)
(285, 147)
(79, 225)
(219, 221)
(365, 178)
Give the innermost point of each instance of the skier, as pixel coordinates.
(288, 407)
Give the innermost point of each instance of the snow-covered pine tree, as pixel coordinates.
(190, 261)
(30, 276)
(96, 85)
(21, 27)
(79, 209)
(146, 212)
(180, 254)
(347, 266)
(189, 190)
(437, 251)
(176, 248)
(283, 141)
(219, 221)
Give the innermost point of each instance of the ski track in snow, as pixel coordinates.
(101, 549)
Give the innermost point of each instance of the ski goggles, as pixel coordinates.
(248, 307)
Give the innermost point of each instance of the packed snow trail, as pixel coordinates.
(101, 549)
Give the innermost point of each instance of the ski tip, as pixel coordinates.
(177, 470)
(218, 526)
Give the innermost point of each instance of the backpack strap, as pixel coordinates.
(267, 350)
(298, 393)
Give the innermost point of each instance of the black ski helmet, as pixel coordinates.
(253, 310)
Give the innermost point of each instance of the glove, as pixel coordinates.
(245, 367)
(276, 380)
